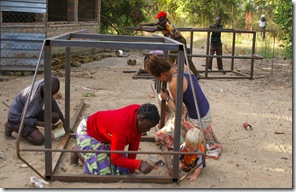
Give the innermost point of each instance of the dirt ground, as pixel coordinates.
(261, 158)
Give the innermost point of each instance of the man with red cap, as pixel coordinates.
(168, 30)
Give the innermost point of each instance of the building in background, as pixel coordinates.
(26, 23)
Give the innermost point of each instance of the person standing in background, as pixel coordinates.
(262, 25)
(216, 45)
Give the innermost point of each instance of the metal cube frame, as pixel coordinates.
(238, 75)
(88, 40)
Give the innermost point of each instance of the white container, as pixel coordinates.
(58, 132)
(36, 183)
(119, 53)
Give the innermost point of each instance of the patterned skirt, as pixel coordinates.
(96, 163)
(213, 145)
(165, 135)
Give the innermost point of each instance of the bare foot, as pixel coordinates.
(8, 131)
(74, 158)
(170, 171)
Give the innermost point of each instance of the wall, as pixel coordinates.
(26, 23)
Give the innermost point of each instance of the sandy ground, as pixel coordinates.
(261, 158)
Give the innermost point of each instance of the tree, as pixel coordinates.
(116, 15)
(283, 18)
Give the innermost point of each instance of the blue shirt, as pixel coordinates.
(188, 99)
(34, 108)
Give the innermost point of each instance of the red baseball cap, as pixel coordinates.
(161, 14)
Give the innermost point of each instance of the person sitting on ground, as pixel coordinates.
(35, 113)
(193, 143)
(168, 30)
(162, 69)
(114, 130)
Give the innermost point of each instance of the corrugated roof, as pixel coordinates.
(31, 6)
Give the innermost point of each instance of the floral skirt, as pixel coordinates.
(165, 136)
(96, 163)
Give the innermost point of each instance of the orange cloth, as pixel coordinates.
(190, 161)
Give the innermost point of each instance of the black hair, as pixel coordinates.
(146, 57)
(149, 111)
(55, 84)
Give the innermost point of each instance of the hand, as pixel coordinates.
(139, 28)
(54, 126)
(213, 26)
(192, 178)
(57, 125)
(145, 167)
(164, 94)
(40, 123)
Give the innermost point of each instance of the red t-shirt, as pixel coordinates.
(118, 128)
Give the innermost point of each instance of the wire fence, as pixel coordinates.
(22, 34)
(20, 17)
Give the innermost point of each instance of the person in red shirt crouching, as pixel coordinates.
(114, 130)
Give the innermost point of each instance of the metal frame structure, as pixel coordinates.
(240, 75)
(233, 74)
(88, 40)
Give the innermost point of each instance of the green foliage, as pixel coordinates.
(283, 18)
(249, 6)
(116, 15)
(279, 20)
(269, 47)
(204, 12)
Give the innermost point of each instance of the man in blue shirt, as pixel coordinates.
(35, 113)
